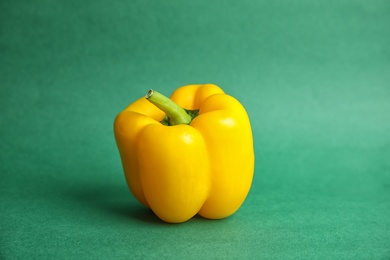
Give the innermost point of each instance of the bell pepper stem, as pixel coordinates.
(177, 115)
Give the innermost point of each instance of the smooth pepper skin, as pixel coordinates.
(205, 167)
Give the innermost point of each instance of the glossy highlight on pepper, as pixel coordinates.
(187, 155)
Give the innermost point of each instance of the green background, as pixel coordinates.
(314, 77)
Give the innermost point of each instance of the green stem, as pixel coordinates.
(177, 115)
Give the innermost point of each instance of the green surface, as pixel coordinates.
(313, 75)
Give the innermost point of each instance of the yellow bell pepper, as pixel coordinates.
(189, 154)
